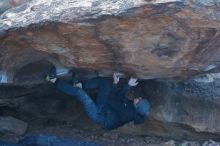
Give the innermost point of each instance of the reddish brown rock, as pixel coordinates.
(171, 40)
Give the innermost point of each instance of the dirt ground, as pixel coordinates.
(110, 138)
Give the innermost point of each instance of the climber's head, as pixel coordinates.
(141, 104)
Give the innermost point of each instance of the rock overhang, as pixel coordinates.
(147, 39)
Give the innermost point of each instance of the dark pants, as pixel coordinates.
(97, 111)
(103, 86)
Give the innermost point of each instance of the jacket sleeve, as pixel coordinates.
(114, 88)
(124, 90)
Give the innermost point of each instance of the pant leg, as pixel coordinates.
(106, 120)
(104, 89)
(89, 106)
(96, 83)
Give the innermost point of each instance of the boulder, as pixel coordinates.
(12, 126)
(148, 39)
(165, 40)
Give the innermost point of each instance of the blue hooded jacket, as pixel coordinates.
(122, 107)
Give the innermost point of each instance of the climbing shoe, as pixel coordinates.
(74, 78)
(51, 76)
(79, 85)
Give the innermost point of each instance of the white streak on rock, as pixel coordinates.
(166, 1)
(11, 15)
(9, 23)
(36, 11)
(61, 71)
(209, 67)
(208, 78)
(3, 77)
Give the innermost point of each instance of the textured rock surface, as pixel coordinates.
(149, 39)
(173, 39)
(183, 110)
(12, 126)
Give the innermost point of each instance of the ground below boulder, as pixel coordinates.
(10, 126)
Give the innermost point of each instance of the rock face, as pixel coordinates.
(148, 39)
(182, 110)
(12, 126)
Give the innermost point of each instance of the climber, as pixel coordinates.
(112, 108)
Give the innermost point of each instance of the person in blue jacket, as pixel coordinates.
(112, 107)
